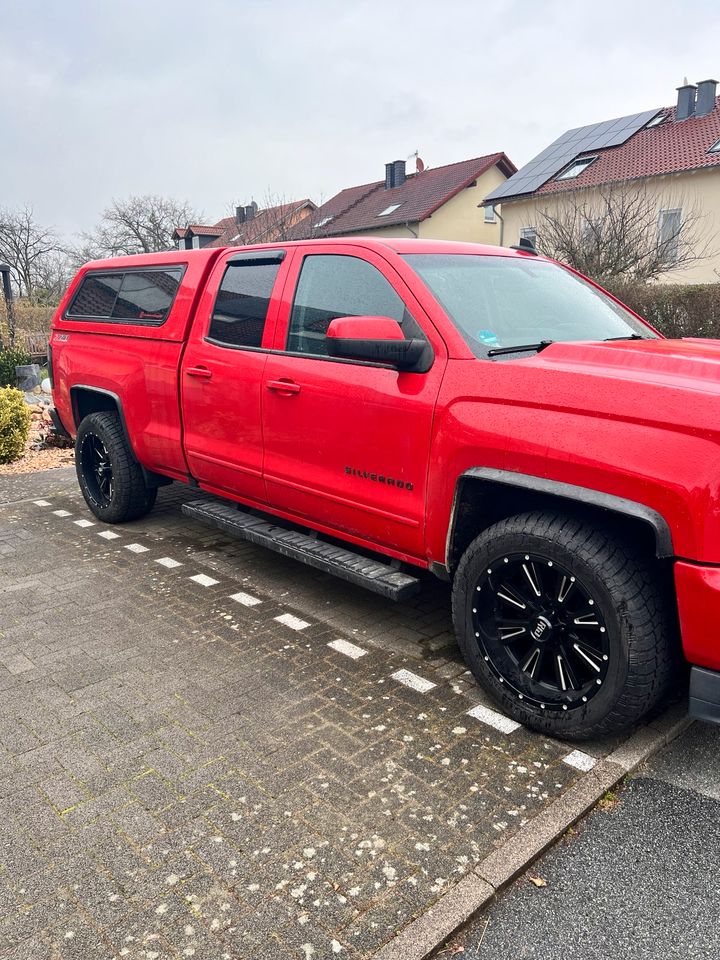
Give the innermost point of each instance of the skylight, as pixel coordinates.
(321, 223)
(715, 148)
(656, 121)
(388, 210)
(576, 168)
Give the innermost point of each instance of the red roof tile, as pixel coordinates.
(359, 208)
(672, 147)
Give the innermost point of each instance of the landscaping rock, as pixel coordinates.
(28, 375)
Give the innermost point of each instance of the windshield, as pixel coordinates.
(498, 302)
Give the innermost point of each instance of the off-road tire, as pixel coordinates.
(640, 622)
(131, 498)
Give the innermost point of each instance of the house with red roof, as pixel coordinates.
(249, 225)
(670, 154)
(440, 203)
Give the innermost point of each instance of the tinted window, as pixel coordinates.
(146, 296)
(242, 303)
(138, 296)
(338, 286)
(96, 296)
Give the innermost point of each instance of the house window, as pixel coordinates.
(490, 213)
(576, 168)
(196, 243)
(323, 222)
(669, 230)
(715, 148)
(656, 121)
(388, 210)
(529, 233)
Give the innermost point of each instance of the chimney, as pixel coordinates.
(685, 101)
(706, 90)
(394, 174)
(251, 211)
(239, 215)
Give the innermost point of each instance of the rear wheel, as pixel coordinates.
(110, 478)
(565, 626)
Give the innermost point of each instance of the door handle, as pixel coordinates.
(286, 387)
(201, 372)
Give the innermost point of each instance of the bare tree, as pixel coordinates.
(140, 224)
(618, 232)
(32, 251)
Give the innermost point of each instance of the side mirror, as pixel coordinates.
(375, 339)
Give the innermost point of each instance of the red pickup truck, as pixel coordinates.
(378, 407)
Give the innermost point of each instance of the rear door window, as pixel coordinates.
(242, 303)
(133, 296)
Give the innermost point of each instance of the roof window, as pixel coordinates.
(576, 168)
(321, 223)
(388, 210)
(715, 148)
(656, 121)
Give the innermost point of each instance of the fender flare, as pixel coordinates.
(571, 492)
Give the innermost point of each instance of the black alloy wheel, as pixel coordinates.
(569, 628)
(110, 477)
(541, 631)
(97, 469)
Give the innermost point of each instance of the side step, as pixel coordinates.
(374, 575)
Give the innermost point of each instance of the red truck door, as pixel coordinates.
(221, 372)
(347, 443)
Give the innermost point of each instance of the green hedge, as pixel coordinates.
(676, 310)
(9, 359)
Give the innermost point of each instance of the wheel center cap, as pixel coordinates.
(541, 629)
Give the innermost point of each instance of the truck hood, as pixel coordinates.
(689, 364)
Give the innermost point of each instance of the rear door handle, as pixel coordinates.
(202, 372)
(283, 386)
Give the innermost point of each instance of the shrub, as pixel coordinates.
(676, 310)
(9, 359)
(14, 424)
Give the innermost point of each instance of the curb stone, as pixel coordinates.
(426, 934)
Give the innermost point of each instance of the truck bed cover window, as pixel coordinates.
(128, 296)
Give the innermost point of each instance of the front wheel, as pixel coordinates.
(110, 477)
(565, 626)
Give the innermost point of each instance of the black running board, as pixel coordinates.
(372, 574)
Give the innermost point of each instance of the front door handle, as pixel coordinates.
(201, 372)
(286, 387)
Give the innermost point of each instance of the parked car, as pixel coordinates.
(480, 413)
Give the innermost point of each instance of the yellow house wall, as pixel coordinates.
(461, 218)
(699, 190)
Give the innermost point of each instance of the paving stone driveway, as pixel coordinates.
(210, 751)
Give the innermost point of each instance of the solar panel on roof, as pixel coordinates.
(596, 136)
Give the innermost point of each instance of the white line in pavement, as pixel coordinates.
(136, 548)
(108, 534)
(62, 513)
(412, 680)
(168, 562)
(204, 580)
(497, 720)
(295, 623)
(84, 523)
(349, 649)
(579, 760)
(245, 599)
(42, 503)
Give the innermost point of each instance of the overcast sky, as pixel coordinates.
(221, 101)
